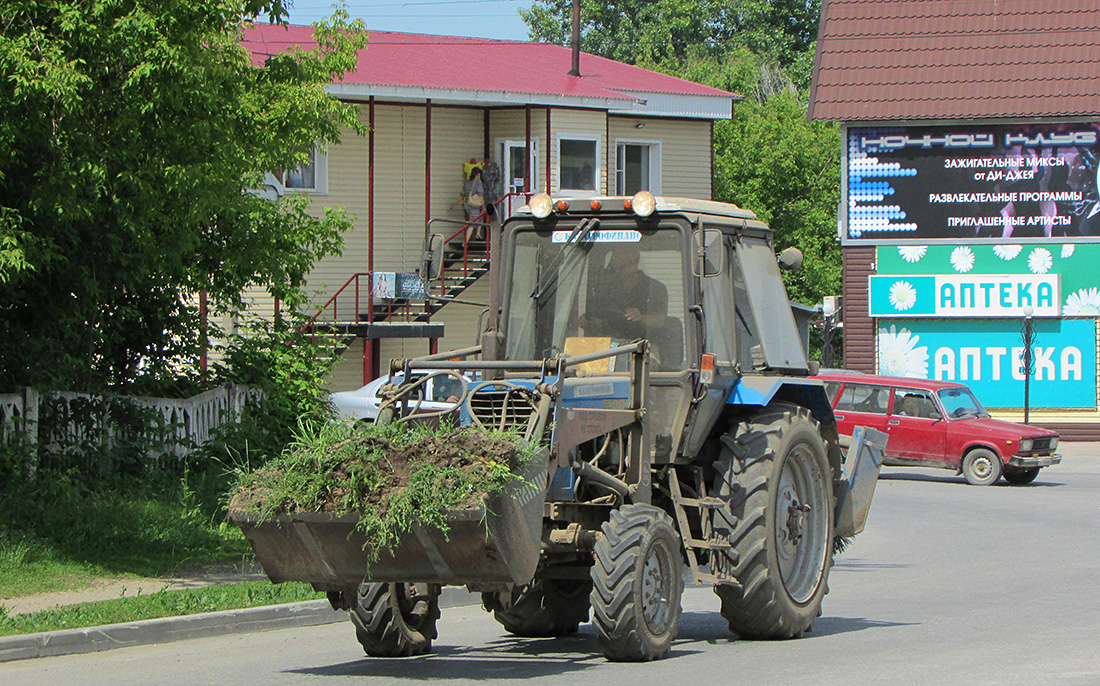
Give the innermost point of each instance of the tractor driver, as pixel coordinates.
(623, 301)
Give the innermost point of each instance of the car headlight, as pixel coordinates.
(1053, 444)
(1026, 445)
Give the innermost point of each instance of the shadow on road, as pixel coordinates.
(831, 626)
(514, 658)
(955, 480)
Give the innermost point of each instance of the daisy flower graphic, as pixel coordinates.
(912, 253)
(1067, 250)
(902, 295)
(898, 354)
(1083, 303)
(1040, 261)
(1007, 252)
(962, 259)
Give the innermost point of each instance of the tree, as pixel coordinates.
(770, 159)
(130, 135)
(767, 158)
(652, 32)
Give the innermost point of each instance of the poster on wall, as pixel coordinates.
(986, 355)
(986, 280)
(1018, 182)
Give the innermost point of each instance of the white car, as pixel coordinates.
(362, 404)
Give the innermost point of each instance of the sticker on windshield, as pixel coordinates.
(602, 236)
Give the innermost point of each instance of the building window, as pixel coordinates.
(311, 177)
(578, 164)
(637, 167)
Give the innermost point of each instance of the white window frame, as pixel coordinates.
(597, 163)
(654, 164)
(320, 175)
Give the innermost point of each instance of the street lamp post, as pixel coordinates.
(1028, 338)
(830, 310)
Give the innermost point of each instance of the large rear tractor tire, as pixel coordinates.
(774, 473)
(396, 620)
(551, 607)
(637, 582)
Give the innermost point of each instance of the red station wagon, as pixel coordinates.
(939, 424)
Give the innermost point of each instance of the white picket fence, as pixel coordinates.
(183, 425)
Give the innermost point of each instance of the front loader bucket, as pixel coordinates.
(497, 543)
(862, 466)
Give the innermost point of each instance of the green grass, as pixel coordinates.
(59, 533)
(161, 604)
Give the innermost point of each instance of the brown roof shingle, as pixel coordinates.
(956, 59)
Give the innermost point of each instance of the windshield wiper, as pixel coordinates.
(582, 229)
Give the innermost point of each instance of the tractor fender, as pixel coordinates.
(758, 390)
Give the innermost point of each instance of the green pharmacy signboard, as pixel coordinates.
(995, 281)
(961, 295)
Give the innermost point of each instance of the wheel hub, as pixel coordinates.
(655, 593)
(796, 520)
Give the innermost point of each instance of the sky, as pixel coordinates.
(478, 18)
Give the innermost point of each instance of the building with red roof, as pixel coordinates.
(434, 104)
(970, 198)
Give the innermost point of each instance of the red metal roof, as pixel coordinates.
(956, 59)
(479, 64)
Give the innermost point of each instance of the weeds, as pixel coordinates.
(393, 476)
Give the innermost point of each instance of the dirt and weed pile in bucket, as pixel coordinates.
(393, 476)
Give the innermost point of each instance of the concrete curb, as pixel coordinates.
(167, 629)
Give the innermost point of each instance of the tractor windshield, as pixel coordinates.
(612, 287)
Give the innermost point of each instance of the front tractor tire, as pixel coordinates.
(637, 583)
(396, 619)
(549, 607)
(774, 473)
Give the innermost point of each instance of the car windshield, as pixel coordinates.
(612, 287)
(960, 402)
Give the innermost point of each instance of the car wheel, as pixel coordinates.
(981, 467)
(1018, 476)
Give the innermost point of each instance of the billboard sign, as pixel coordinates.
(965, 183)
(986, 355)
(964, 295)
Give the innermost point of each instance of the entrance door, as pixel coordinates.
(515, 169)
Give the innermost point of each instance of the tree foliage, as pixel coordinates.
(130, 135)
(652, 32)
(768, 157)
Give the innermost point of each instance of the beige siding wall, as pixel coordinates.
(457, 136)
(685, 152)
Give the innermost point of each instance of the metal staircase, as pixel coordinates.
(356, 311)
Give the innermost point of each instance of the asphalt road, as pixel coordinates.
(949, 584)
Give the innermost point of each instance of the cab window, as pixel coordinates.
(858, 397)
